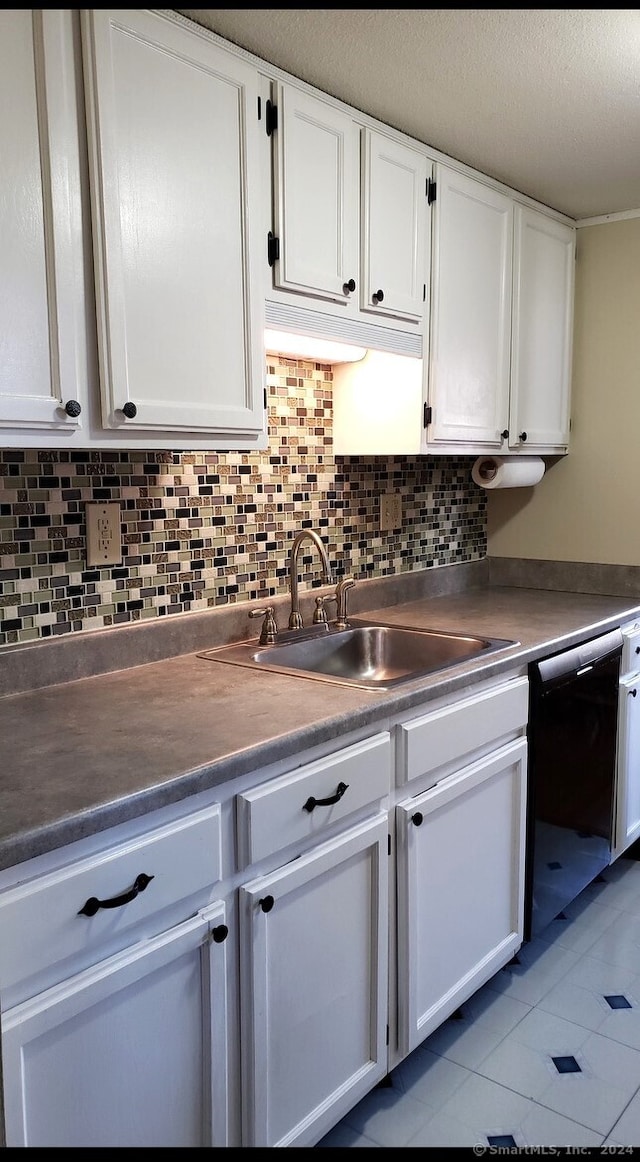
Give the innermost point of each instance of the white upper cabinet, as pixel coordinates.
(394, 244)
(543, 285)
(316, 197)
(470, 311)
(220, 194)
(501, 321)
(174, 172)
(351, 215)
(497, 367)
(41, 314)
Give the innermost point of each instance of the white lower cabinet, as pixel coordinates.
(314, 990)
(113, 979)
(314, 943)
(460, 840)
(460, 879)
(627, 822)
(628, 772)
(130, 1052)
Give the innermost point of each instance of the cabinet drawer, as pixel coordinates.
(289, 809)
(630, 648)
(449, 734)
(42, 923)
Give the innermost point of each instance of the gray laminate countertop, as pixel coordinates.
(84, 755)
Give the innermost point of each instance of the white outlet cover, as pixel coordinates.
(104, 540)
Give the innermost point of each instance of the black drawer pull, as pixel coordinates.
(312, 802)
(93, 904)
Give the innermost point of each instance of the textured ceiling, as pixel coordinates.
(546, 100)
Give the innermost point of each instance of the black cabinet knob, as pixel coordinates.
(129, 410)
(267, 903)
(417, 818)
(349, 286)
(72, 408)
(505, 434)
(377, 296)
(522, 436)
(220, 933)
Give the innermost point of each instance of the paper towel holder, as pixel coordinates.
(487, 469)
(495, 471)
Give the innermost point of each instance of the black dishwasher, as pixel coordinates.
(572, 735)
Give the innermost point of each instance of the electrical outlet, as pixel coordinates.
(104, 542)
(390, 511)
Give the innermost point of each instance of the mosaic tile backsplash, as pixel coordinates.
(204, 529)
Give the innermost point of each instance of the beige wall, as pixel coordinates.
(587, 506)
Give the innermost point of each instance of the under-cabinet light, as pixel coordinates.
(308, 347)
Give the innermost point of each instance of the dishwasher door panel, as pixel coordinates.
(572, 768)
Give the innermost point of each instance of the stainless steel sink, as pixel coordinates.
(365, 654)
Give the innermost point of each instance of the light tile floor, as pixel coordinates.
(547, 1053)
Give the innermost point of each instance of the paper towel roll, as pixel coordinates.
(507, 471)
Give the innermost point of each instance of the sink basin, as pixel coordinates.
(365, 654)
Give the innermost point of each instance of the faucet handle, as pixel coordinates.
(269, 631)
(340, 596)
(320, 613)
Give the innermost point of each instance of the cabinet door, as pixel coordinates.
(130, 1053)
(544, 267)
(470, 312)
(395, 237)
(173, 130)
(460, 888)
(314, 987)
(41, 320)
(628, 765)
(316, 197)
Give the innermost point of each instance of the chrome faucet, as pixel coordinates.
(295, 617)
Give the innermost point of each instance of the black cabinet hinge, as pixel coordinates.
(431, 191)
(426, 418)
(273, 248)
(271, 118)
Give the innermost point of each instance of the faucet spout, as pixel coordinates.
(295, 617)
